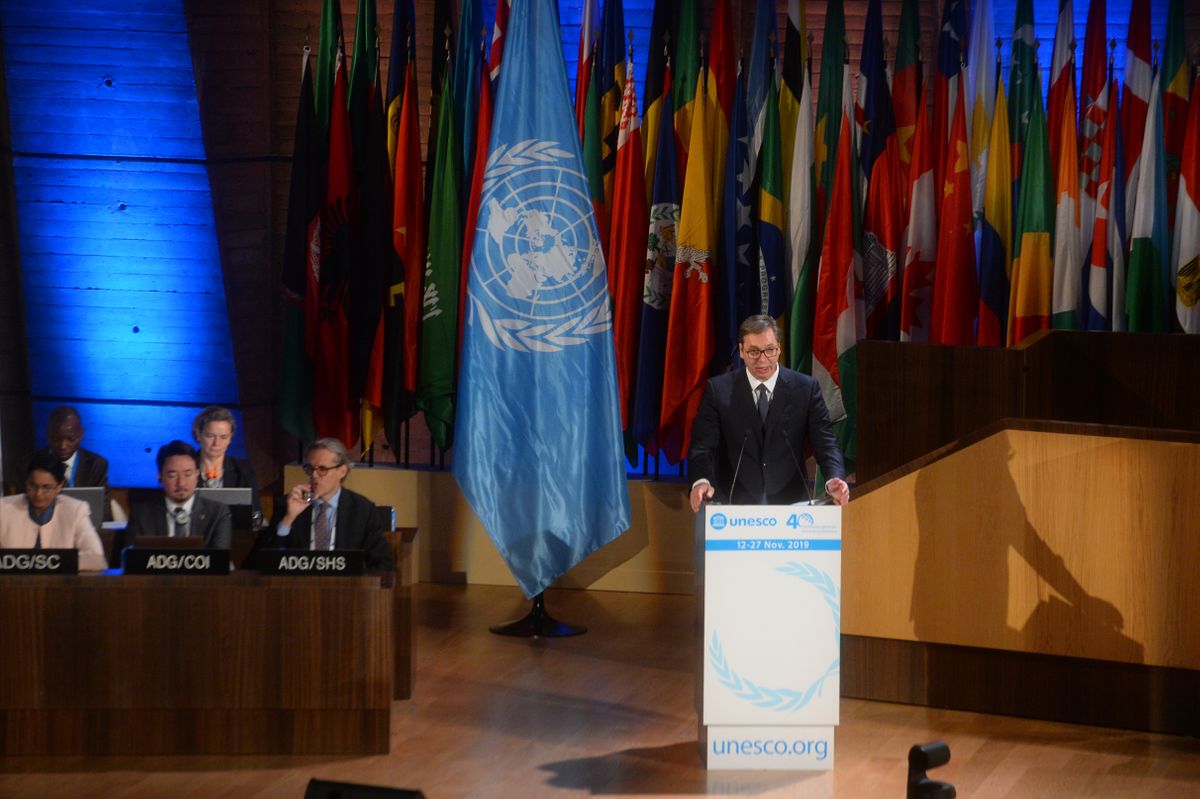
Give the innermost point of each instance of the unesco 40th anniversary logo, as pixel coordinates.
(541, 275)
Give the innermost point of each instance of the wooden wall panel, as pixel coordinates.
(1073, 690)
(1137, 380)
(913, 398)
(916, 398)
(230, 51)
(1066, 544)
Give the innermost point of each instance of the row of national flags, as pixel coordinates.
(475, 290)
(870, 205)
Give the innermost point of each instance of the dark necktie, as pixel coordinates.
(323, 532)
(763, 403)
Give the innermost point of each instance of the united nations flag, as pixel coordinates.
(539, 453)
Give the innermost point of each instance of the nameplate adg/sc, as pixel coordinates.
(302, 562)
(39, 561)
(175, 561)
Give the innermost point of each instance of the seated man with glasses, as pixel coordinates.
(322, 515)
(751, 427)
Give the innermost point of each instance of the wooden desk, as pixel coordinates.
(245, 664)
(403, 612)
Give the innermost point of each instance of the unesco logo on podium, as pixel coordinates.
(717, 521)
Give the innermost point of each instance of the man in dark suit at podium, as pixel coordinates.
(180, 512)
(753, 422)
(343, 519)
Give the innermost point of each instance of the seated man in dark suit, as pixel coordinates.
(344, 519)
(752, 425)
(64, 433)
(84, 468)
(181, 512)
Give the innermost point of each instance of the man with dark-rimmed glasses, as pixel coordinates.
(751, 427)
(322, 515)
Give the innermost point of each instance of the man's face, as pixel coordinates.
(324, 473)
(760, 352)
(178, 477)
(64, 437)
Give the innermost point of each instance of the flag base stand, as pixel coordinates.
(537, 623)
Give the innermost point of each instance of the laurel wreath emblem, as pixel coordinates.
(782, 700)
(534, 335)
(524, 336)
(506, 158)
(823, 583)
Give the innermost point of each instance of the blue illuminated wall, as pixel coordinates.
(124, 299)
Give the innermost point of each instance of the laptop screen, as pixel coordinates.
(94, 497)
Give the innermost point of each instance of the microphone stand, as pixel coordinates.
(538, 623)
(812, 500)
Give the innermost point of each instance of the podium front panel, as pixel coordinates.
(771, 643)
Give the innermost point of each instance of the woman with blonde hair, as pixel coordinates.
(213, 430)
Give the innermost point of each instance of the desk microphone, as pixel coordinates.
(737, 466)
(803, 477)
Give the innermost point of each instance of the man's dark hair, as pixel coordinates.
(61, 415)
(759, 323)
(174, 448)
(44, 461)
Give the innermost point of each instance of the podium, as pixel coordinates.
(769, 626)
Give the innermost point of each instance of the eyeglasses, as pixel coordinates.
(754, 353)
(319, 471)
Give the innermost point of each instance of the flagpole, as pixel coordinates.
(538, 623)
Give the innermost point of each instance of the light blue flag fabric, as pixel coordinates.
(539, 454)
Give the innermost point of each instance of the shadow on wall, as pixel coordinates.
(971, 564)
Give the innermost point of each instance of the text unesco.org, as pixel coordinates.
(771, 747)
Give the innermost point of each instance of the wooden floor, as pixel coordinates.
(610, 714)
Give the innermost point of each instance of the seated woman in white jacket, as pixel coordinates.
(40, 518)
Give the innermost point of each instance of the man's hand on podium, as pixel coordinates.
(701, 491)
(838, 489)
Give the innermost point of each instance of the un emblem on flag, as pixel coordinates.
(539, 282)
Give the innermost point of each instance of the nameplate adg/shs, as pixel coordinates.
(299, 562)
(39, 561)
(175, 561)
